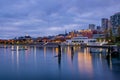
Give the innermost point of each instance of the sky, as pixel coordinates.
(50, 17)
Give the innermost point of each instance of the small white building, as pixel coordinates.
(81, 40)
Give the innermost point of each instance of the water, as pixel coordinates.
(41, 63)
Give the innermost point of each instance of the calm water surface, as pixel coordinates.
(40, 63)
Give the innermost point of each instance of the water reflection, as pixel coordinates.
(72, 53)
(45, 52)
(113, 64)
(26, 53)
(59, 56)
(69, 54)
(109, 61)
(12, 56)
(74, 62)
(53, 51)
(82, 49)
(59, 61)
(17, 56)
(35, 55)
(85, 63)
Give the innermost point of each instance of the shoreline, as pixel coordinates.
(56, 45)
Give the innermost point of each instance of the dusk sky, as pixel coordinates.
(50, 17)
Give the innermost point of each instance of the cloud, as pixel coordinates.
(50, 17)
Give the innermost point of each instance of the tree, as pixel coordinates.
(118, 31)
(118, 34)
(106, 34)
(111, 37)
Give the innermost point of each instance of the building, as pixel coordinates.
(27, 39)
(98, 28)
(92, 26)
(81, 40)
(115, 22)
(109, 25)
(86, 33)
(104, 24)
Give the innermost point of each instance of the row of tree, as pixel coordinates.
(112, 38)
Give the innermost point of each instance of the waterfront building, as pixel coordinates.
(115, 21)
(45, 39)
(23, 39)
(72, 34)
(86, 33)
(80, 40)
(38, 40)
(58, 40)
(98, 36)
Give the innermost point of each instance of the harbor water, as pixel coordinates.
(44, 63)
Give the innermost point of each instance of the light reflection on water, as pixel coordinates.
(73, 64)
(85, 63)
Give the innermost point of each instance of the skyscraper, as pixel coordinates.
(109, 25)
(115, 21)
(98, 28)
(104, 24)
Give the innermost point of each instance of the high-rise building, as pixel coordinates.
(115, 22)
(109, 25)
(92, 26)
(104, 24)
(98, 28)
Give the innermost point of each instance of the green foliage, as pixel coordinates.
(118, 39)
(118, 31)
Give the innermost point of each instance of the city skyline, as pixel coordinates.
(43, 17)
